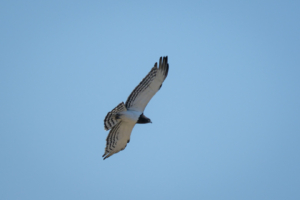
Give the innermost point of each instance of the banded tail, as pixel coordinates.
(111, 118)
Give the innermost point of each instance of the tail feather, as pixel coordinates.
(111, 118)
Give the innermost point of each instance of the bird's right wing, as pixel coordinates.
(118, 138)
(143, 93)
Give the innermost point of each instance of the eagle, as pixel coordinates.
(121, 120)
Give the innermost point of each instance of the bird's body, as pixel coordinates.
(123, 118)
(130, 116)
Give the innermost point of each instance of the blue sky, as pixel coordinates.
(225, 123)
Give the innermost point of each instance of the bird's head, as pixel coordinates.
(143, 119)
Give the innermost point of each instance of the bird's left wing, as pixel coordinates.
(142, 94)
(118, 138)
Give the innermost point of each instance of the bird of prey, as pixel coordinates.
(123, 118)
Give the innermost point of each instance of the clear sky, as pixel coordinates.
(226, 122)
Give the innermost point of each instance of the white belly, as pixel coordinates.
(130, 116)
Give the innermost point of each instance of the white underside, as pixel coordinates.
(130, 116)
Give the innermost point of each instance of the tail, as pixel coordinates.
(111, 118)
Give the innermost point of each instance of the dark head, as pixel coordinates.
(143, 119)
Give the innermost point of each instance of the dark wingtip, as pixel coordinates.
(165, 66)
(105, 157)
(160, 62)
(167, 70)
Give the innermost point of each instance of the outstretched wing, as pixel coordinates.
(142, 94)
(118, 138)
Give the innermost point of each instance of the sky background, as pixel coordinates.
(226, 122)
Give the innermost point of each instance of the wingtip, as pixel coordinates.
(164, 65)
(105, 156)
(160, 62)
(167, 70)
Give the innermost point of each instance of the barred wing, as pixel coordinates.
(148, 87)
(111, 118)
(118, 138)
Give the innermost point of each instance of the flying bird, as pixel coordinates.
(121, 120)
